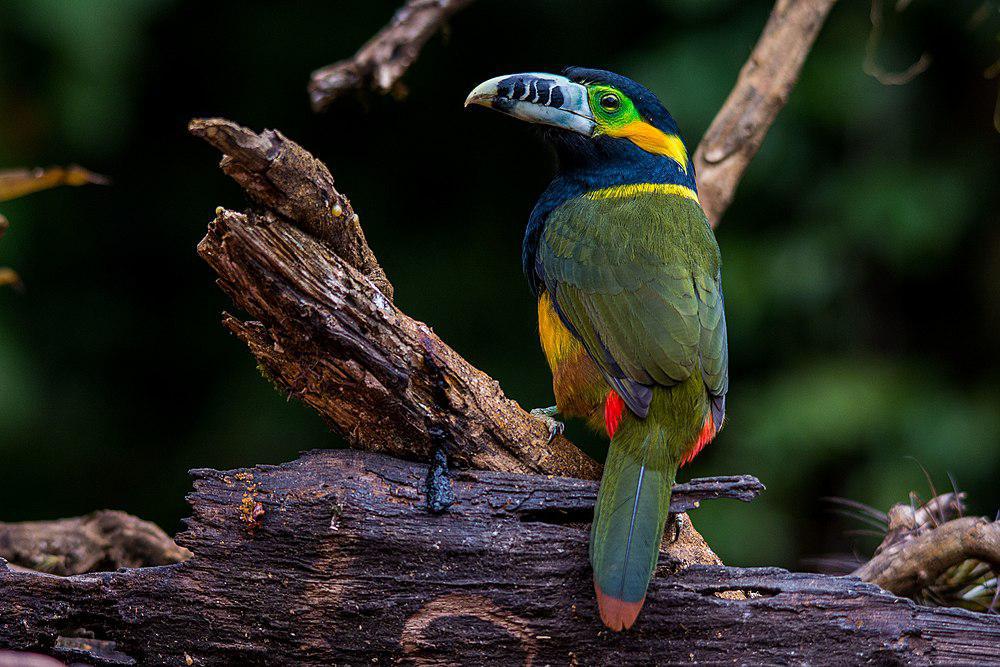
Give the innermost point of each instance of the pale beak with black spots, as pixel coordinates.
(546, 99)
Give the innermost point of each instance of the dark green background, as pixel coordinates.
(862, 254)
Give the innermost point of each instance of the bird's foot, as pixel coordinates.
(677, 525)
(555, 426)
(440, 495)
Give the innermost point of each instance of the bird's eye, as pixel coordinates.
(610, 102)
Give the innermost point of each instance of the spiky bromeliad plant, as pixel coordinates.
(931, 551)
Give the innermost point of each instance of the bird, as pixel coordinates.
(627, 274)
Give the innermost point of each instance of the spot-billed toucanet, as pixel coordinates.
(627, 275)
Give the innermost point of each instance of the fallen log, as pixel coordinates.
(338, 562)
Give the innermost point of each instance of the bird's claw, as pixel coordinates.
(555, 426)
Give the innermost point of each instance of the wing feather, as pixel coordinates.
(638, 282)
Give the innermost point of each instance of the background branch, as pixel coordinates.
(761, 91)
(16, 183)
(381, 62)
(104, 540)
(924, 543)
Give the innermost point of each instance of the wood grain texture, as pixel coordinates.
(326, 335)
(344, 566)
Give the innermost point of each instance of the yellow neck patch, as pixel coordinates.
(633, 189)
(652, 140)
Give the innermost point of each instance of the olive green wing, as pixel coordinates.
(637, 281)
(713, 345)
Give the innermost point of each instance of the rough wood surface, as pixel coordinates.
(280, 175)
(326, 335)
(324, 331)
(761, 91)
(342, 565)
(381, 62)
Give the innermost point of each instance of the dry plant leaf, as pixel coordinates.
(16, 183)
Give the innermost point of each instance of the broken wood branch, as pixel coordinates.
(343, 565)
(923, 542)
(280, 175)
(358, 392)
(382, 62)
(104, 540)
(325, 334)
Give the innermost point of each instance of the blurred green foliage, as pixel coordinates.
(862, 254)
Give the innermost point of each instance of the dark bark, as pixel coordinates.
(280, 175)
(343, 565)
(325, 332)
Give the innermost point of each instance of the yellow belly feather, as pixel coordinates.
(577, 383)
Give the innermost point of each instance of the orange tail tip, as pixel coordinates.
(617, 614)
(614, 409)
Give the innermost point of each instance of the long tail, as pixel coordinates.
(632, 508)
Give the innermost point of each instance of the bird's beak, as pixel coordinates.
(548, 99)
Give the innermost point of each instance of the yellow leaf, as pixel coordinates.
(16, 183)
(10, 277)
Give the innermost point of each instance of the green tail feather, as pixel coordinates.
(632, 508)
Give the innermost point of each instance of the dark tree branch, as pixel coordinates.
(280, 175)
(343, 565)
(325, 334)
(381, 62)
